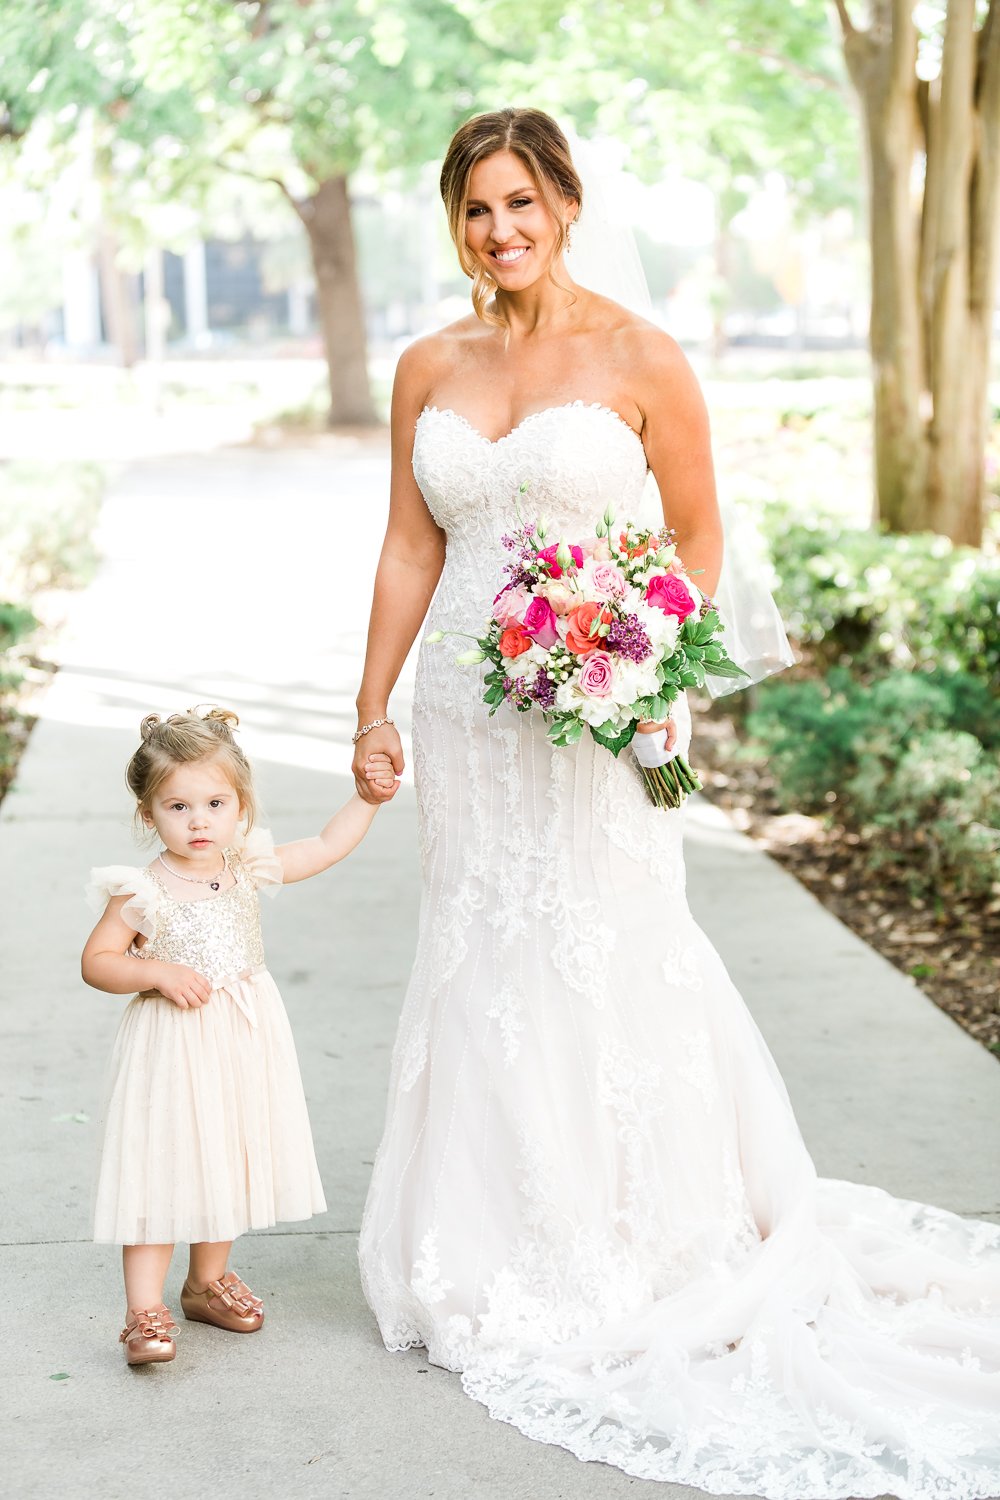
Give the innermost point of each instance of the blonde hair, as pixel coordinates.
(537, 140)
(185, 739)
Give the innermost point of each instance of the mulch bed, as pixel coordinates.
(949, 945)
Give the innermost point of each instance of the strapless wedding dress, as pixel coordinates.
(592, 1197)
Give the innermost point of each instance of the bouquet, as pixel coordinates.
(599, 635)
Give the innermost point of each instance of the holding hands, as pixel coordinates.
(379, 773)
(378, 763)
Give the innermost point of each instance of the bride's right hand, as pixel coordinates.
(386, 740)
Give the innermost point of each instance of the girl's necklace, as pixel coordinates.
(214, 880)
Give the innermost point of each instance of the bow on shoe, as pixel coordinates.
(236, 1295)
(149, 1323)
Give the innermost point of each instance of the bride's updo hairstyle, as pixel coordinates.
(184, 739)
(536, 139)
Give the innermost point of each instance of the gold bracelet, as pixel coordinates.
(366, 728)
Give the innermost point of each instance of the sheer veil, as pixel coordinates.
(603, 256)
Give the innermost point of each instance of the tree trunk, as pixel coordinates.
(117, 302)
(327, 219)
(933, 257)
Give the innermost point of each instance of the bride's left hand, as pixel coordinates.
(651, 726)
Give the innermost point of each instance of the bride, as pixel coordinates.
(592, 1197)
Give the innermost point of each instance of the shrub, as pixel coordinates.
(899, 760)
(878, 601)
(47, 521)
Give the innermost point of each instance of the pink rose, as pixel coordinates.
(560, 595)
(608, 581)
(671, 594)
(548, 556)
(597, 676)
(540, 623)
(510, 604)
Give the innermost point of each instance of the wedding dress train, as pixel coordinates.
(592, 1197)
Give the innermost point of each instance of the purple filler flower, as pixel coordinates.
(628, 639)
(544, 690)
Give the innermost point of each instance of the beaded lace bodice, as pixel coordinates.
(219, 936)
(575, 460)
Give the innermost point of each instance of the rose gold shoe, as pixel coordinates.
(228, 1303)
(148, 1335)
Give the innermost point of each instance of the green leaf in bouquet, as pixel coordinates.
(690, 678)
(494, 696)
(565, 730)
(611, 740)
(725, 668)
(658, 708)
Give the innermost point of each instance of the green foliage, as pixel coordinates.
(292, 90)
(47, 519)
(725, 91)
(908, 759)
(16, 622)
(891, 726)
(880, 601)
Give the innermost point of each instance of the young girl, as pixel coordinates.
(206, 1131)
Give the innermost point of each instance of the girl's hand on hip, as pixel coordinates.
(382, 744)
(188, 989)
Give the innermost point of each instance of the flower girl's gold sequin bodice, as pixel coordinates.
(220, 936)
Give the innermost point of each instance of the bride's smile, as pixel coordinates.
(510, 229)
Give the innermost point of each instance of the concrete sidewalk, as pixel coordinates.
(242, 577)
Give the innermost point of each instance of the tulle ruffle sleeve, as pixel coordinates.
(257, 855)
(141, 909)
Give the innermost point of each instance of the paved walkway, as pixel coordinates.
(242, 577)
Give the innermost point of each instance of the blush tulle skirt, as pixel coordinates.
(206, 1130)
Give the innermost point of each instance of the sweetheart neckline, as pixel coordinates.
(598, 406)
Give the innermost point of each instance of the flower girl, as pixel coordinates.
(206, 1129)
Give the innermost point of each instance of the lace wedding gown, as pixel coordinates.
(592, 1197)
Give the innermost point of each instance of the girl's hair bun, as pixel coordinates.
(222, 716)
(148, 726)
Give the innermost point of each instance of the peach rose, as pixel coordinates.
(560, 595)
(514, 642)
(579, 623)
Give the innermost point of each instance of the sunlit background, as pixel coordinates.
(222, 226)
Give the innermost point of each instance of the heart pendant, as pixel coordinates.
(215, 885)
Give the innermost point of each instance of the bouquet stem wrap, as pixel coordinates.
(667, 775)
